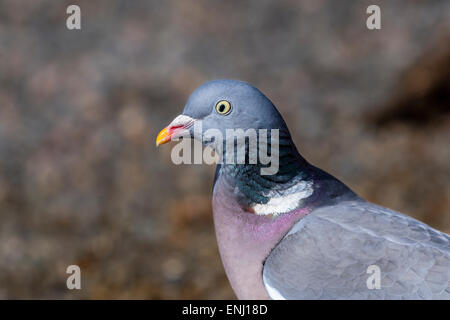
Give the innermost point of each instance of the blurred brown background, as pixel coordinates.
(81, 181)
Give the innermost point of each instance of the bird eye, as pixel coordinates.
(223, 107)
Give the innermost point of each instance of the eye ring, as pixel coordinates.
(223, 107)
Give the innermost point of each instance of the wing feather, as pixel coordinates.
(326, 256)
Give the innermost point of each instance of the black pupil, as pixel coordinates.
(222, 108)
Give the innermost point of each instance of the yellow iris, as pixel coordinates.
(223, 107)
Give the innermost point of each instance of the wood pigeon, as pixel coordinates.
(299, 233)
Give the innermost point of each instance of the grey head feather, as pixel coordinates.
(251, 109)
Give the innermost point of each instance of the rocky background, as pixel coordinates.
(81, 181)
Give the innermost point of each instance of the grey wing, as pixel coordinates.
(357, 250)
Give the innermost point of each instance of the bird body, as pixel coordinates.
(327, 255)
(300, 233)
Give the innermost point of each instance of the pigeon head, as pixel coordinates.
(265, 161)
(222, 105)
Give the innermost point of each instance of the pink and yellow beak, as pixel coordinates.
(174, 129)
(164, 136)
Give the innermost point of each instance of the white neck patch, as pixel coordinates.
(287, 203)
